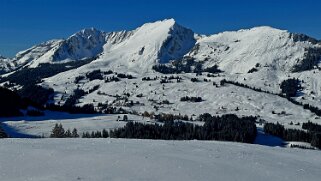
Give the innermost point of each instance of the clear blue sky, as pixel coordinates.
(24, 23)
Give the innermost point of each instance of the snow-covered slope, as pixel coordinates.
(6, 64)
(87, 43)
(152, 43)
(121, 159)
(263, 57)
(275, 54)
(34, 55)
(41, 51)
(240, 51)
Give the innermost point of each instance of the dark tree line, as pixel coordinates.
(185, 68)
(59, 132)
(224, 81)
(312, 127)
(96, 74)
(33, 76)
(85, 109)
(225, 128)
(274, 129)
(166, 117)
(191, 99)
(36, 95)
(124, 76)
(214, 69)
(186, 65)
(10, 103)
(311, 135)
(149, 79)
(168, 70)
(96, 134)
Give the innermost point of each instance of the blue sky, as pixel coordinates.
(24, 23)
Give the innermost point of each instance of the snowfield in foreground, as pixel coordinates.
(121, 159)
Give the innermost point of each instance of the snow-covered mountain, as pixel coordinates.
(240, 51)
(157, 42)
(6, 64)
(260, 57)
(152, 43)
(163, 41)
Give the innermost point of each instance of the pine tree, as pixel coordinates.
(98, 134)
(74, 133)
(58, 131)
(105, 133)
(316, 140)
(68, 134)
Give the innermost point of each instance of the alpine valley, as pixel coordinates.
(163, 81)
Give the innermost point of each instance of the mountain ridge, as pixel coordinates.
(90, 42)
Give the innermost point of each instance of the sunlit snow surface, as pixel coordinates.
(120, 159)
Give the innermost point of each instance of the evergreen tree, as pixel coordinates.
(74, 133)
(105, 133)
(98, 134)
(58, 131)
(316, 140)
(68, 134)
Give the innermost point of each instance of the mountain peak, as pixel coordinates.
(267, 29)
(165, 38)
(86, 43)
(169, 22)
(160, 25)
(87, 32)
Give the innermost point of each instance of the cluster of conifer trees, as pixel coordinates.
(59, 132)
(96, 134)
(187, 65)
(191, 99)
(311, 134)
(225, 128)
(290, 87)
